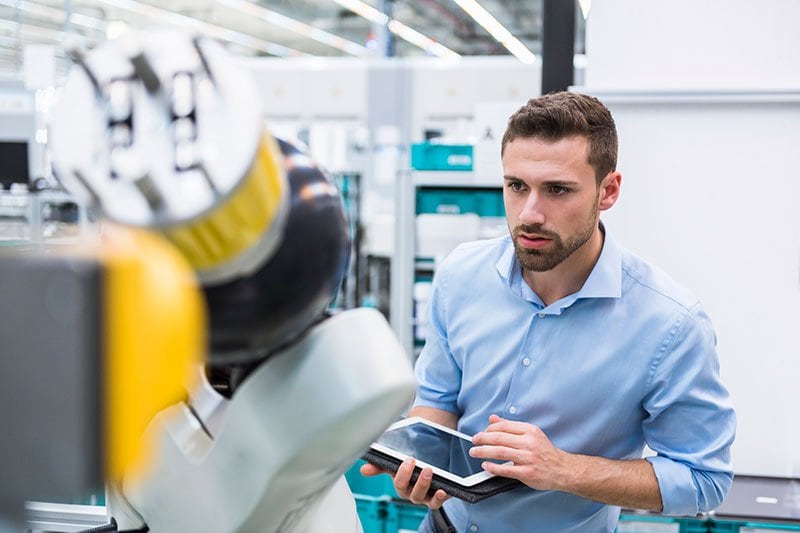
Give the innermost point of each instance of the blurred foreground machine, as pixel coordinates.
(161, 133)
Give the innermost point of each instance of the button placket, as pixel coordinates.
(526, 362)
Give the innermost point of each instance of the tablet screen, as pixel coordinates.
(439, 448)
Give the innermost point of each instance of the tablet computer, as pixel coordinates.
(445, 451)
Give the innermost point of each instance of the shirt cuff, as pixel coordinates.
(678, 491)
(451, 407)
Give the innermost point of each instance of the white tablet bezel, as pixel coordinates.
(470, 481)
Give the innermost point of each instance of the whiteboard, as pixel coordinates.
(711, 193)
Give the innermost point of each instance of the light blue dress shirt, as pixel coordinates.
(628, 360)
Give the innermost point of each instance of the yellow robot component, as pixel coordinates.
(154, 337)
(241, 220)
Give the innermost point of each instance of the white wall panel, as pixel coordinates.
(710, 193)
(339, 91)
(446, 90)
(312, 88)
(706, 94)
(693, 44)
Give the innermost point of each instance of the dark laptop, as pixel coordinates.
(758, 497)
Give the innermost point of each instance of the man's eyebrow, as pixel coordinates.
(561, 182)
(555, 181)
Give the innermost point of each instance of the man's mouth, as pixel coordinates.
(533, 241)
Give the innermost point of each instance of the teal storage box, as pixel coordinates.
(403, 516)
(484, 202)
(428, 156)
(653, 523)
(381, 485)
(747, 526)
(372, 513)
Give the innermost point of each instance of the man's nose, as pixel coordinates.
(532, 211)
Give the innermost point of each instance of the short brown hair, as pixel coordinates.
(556, 116)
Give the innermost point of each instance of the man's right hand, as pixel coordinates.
(418, 493)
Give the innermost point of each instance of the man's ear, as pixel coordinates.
(609, 190)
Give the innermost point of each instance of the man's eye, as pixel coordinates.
(515, 186)
(558, 190)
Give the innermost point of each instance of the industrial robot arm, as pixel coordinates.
(161, 130)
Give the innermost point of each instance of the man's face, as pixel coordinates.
(551, 198)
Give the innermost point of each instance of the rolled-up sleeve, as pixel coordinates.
(438, 374)
(691, 423)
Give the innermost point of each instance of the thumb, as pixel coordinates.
(369, 470)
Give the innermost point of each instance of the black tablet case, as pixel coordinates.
(474, 494)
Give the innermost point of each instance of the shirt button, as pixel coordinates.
(541, 315)
(526, 362)
(512, 410)
(473, 527)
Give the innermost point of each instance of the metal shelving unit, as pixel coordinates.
(407, 266)
(50, 215)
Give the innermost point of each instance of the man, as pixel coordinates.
(565, 354)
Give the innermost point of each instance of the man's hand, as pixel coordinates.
(402, 478)
(541, 465)
(402, 484)
(536, 461)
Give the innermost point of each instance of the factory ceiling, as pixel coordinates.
(282, 27)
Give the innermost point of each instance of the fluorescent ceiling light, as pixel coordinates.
(365, 10)
(398, 28)
(282, 21)
(416, 38)
(496, 30)
(231, 36)
(55, 14)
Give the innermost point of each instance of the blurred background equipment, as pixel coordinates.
(157, 131)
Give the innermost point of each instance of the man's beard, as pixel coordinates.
(558, 249)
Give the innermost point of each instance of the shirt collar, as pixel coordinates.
(605, 280)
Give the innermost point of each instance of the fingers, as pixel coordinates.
(402, 478)
(419, 492)
(438, 499)
(500, 453)
(504, 470)
(369, 470)
(498, 438)
(503, 440)
(497, 423)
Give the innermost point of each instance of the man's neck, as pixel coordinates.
(569, 276)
